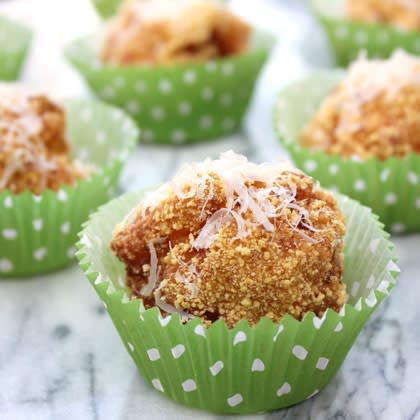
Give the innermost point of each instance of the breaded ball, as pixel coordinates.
(403, 14)
(173, 31)
(33, 146)
(374, 111)
(232, 240)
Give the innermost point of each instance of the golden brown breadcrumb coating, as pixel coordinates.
(374, 112)
(173, 31)
(33, 146)
(400, 13)
(293, 268)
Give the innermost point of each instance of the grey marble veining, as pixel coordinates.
(60, 356)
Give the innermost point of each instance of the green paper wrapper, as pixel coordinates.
(348, 37)
(244, 369)
(15, 40)
(38, 233)
(177, 104)
(391, 187)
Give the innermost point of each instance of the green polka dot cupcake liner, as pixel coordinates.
(391, 187)
(15, 40)
(177, 104)
(38, 232)
(348, 37)
(245, 369)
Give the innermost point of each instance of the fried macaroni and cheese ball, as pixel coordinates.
(404, 14)
(232, 240)
(374, 111)
(33, 146)
(173, 31)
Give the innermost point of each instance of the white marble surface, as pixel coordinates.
(60, 356)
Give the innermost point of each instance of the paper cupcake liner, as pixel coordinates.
(244, 369)
(177, 104)
(348, 37)
(106, 8)
(15, 40)
(391, 187)
(38, 233)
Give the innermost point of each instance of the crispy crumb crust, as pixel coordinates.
(393, 12)
(381, 127)
(202, 31)
(48, 145)
(264, 274)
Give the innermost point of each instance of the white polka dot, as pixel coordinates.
(71, 252)
(240, 337)
(37, 198)
(206, 121)
(216, 368)
(132, 107)
(9, 234)
(119, 82)
(184, 108)
(390, 198)
(153, 354)
(313, 394)
(117, 114)
(62, 195)
(86, 114)
(284, 389)
(257, 366)
(413, 178)
(371, 281)
(358, 305)
(418, 202)
(228, 69)
(130, 346)
(108, 92)
(333, 169)
(157, 385)
(398, 228)
(341, 32)
(338, 327)
(140, 86)
(189, 77)
(65, 227)
(318, 321)
(278, 332)
(371, 300)
(178, 136)
(355, 288)
(361, 37)
(83, 153)
(164, 321)
(8, 203)
(226, 99)
(207, 93)
(5, 265)
(211, 66)
(310, 165)
(158, 113)
(342, 311)
(178, 351)
(384, 175)
(165, 86)
(40, 253)
(189, 385)
(148, 135)
(383, 286)
(100, 137)
(360, 185)
(228, 123)
(300, 352)
(37, 224)
(235, 400)
(392, 267)
(382, 37)
(199, 330)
